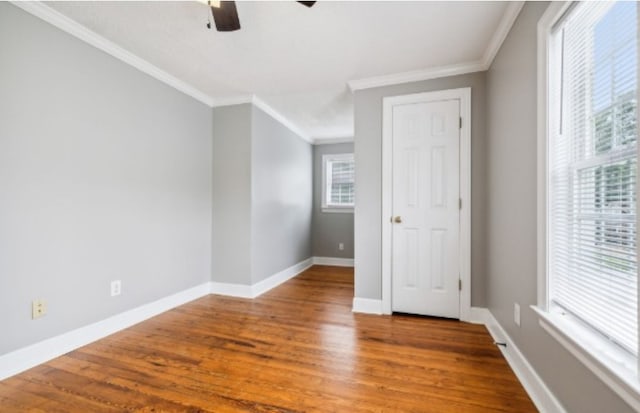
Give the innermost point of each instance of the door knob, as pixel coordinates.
(397, 219)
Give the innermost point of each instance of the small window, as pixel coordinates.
(338, 175)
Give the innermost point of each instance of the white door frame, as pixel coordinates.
(464, 95)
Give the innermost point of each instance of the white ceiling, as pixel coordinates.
(295, 59)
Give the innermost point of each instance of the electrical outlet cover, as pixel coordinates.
(116, 287)
(38, 308)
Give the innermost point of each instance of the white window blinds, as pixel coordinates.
(339, 180)
(592, 169)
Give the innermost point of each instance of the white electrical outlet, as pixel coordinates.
(116, 287)
(516, 314)
(341, 246)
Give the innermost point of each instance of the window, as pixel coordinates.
(592, 170)
(338, 174)
(590, 281)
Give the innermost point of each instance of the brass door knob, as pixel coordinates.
(397, 220)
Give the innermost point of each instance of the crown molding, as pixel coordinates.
(62, 22)
(265, 107)
(504, 26)
(232, 100)
(506, 22)
(416, 75)
(259, 103)
(328, 141)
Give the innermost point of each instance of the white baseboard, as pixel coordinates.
(278, 278)
(367, 305)
(255, 290)
(337, 262)
(542, 397)
(232, 290)
(38, 353)
(479, 315)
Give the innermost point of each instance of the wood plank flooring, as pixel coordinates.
(297, 348)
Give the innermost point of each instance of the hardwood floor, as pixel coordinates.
(297, 348)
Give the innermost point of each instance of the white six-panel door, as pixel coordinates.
(425, 261)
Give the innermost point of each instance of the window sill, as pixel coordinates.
(332, 210)
(615, 367)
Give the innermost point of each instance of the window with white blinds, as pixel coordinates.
(592, 161)
(339, 179)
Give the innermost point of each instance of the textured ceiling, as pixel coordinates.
(297, 60)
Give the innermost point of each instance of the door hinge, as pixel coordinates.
(459, 285)
(459, 203)
(460, 122)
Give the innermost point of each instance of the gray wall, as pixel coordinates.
(281, 175)
(105, 173)
(231, 239)
(262, 183)
(329, 228)
(511, 220)
(368, 158)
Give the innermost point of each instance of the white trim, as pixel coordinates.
(367, 306)
(387, 170)
(38, 353)
(614, 367)
(259, 103)
(338, 210)
(465, 196)
(232, 100)
(540, 394)
(262, 105)
(464, 95)
(416, 75)
(64, 23)
(546, 22)
(506, 22)
(280, 277)
(329, 141)
(79, 31)
(334, 261)
(261, 287)
(479, 315)
(232, 290)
